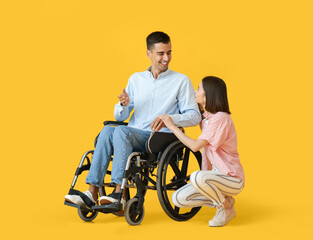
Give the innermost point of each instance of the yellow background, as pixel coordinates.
(63, 63)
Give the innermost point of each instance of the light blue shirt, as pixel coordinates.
(171, 93)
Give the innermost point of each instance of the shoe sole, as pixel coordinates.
(82, 205)
(232, 217)
(104, 202)
(108, 200)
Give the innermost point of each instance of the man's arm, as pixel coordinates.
(189, 111)
(124, 107)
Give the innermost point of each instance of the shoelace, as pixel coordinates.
(219, 213)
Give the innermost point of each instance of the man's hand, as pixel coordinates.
(157, 124)
(161, 121)
(124, 99)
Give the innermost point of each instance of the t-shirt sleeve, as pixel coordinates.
(216, 132)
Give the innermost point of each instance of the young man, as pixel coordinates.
(151, 93)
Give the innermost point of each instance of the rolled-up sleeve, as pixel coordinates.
(121, 113)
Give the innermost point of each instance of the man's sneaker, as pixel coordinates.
(76, 199)
(222, 216)
(111, 198)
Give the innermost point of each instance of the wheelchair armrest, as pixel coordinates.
(116, 123)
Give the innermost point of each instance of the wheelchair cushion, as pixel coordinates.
(158, 141)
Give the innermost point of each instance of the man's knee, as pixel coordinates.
(106, 134)
(121, 132)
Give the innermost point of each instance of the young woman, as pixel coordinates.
(221, 175)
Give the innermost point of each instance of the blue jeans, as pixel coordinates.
(124, 140)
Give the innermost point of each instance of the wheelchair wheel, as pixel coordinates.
(132, 216)
(174, 170)
(86, 214)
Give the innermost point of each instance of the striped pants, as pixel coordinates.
(207, 188)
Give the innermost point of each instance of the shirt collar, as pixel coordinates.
(163, 74)
(206, 114)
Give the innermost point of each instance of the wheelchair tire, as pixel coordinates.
(87, 215)
(171, 178)
(132, 216)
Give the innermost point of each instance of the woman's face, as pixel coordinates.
(200, 95)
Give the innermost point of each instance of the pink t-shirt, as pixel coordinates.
(219, 131)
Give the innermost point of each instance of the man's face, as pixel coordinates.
(160, 56)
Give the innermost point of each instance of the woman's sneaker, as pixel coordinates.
(222, 216)
(76, 199)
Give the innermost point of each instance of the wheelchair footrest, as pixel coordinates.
(76, 206)
(110, 208)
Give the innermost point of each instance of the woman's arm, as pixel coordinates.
(193, 144)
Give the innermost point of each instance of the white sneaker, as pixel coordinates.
(222, 216)
(76, 199)
(111, 198)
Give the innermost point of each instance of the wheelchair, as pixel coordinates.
(166, 156)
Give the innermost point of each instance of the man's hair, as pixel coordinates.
(157, 37)
(215, 94)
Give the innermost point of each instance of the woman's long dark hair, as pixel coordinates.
(216, 95)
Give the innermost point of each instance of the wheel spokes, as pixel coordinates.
(185, 162)
(175, 183)
(176, 169)
(177, 209)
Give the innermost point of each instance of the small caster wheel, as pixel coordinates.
(87, 215)
(133, 217)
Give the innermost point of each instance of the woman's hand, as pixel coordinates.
(193, 144)
(168, 121)
(161, 121)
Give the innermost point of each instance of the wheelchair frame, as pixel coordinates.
(136, 175)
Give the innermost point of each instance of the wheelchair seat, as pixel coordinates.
(158, 141)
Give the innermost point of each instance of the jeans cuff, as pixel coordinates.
(93, 183)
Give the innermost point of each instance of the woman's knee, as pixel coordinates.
(174, 199)
(201, 178)
(182, 196)
(194, 178)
